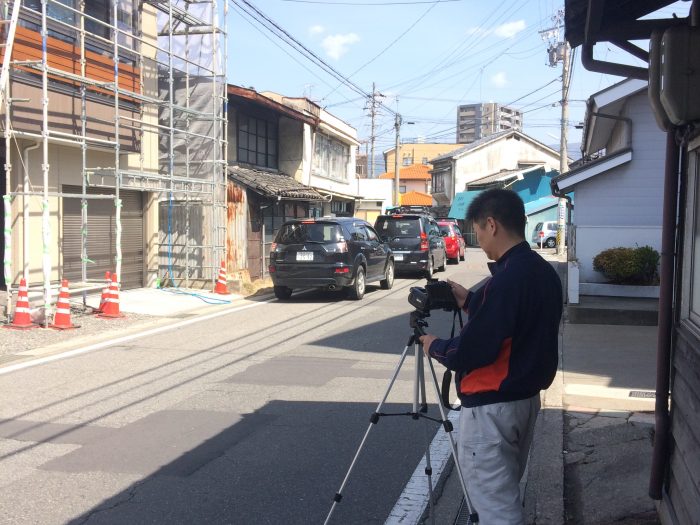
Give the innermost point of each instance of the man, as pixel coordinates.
(505, 355)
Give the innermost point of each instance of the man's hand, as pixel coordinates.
(426, 340)
(460, 292)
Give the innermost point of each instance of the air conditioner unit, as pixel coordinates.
(679, 68)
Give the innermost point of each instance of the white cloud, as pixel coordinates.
(476, 30)
(337, 45)
(316, 30)
(510, 29)
(499, 80)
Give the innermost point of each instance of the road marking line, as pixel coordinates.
(414, 499)
(126, 338)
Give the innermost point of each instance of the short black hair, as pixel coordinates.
(505, 206)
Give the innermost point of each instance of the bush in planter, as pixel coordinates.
(628, 265)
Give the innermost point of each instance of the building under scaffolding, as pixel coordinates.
(114, 120)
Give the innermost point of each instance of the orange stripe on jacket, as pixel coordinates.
(490, 377)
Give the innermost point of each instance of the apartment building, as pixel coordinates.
(476, 121)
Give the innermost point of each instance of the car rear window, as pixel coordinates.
(398, 227)
(300, 232)
(445, 228)
(538, 226)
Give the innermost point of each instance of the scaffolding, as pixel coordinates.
(167, 136)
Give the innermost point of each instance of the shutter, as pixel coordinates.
(101, 228)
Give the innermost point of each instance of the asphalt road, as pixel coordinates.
(252, 418)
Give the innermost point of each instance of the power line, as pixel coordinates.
(372, 4)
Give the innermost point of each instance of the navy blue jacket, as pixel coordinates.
(509, 347)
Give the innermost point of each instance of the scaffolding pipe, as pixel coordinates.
(7, 199)
(25, 209)
(83, 159)
(45, 222)
(117, 201)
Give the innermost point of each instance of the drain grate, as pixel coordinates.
(644, 394)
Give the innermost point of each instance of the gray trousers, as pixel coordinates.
(493, 446)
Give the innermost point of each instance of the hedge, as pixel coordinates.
(628, 265)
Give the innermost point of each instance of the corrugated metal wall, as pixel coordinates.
(101, 236)
(236, 229)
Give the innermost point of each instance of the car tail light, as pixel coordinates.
(273, 247)
(343, 247)
(344, 269)
(423, 242)
(308, 222)
(272, 268)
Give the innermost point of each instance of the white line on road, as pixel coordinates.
(414, 499)
(126, 338)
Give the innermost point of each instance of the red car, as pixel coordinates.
(454, 242)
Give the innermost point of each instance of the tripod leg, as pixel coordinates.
(374, 418)
(420, 365)
(474, 517)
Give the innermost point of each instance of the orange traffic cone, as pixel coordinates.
(221, 281)
(111, 306)
(21, 319)
(104, 293)
(61, 319)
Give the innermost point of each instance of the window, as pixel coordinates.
(371, 234)
(424, 160)
(359, 233)
(439, 183)
(331, 158)
(402, 188)
(257, 141)
(407, 161)
(691, 309)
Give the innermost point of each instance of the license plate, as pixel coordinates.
(398, 256)
(305, 256)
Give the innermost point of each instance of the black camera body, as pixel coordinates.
(437, 295)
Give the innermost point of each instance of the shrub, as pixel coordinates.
(628, 265)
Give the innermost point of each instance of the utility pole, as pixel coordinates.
(397, 126)
(559, 51)
(373, 105)
(563, 151)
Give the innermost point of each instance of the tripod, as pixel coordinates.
(418, 323)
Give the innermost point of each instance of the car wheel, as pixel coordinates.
(388, 280)
(551, 242)
(357, 290)
(461, 257)
(441, 268)
(453, 261)
(283, 292)
(429, 269)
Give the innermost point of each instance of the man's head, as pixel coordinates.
(498, 217)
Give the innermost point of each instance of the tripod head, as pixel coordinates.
(418, 322)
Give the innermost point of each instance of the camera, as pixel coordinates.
(437, 295)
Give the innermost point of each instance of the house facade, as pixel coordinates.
(498, 153)
(287, 158)
(415, 153)
(618, 189)
(413, 178)
(674, 481)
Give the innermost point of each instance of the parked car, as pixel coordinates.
(549, 237)
(415, 240)
(454, 242)
(331, 253)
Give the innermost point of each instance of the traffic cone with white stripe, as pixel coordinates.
(22, 319)
(220, 287)
(61, 319)
(111, 306)
(108, 280)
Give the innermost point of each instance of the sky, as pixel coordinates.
(424, 57)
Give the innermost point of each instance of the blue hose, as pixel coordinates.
(176, 289)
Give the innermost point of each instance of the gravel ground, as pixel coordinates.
(16, 341)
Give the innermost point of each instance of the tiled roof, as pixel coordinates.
(272, 184)
(412, 172)
(416, 198)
